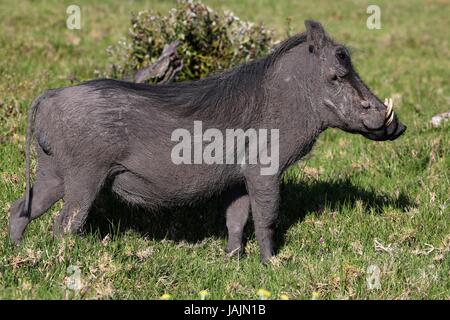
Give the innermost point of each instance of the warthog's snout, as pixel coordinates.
(390, 132)
(397, 131)
(392, 127)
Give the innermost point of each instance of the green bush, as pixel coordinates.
(209, 42)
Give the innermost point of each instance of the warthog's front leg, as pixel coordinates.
(264, 200)
(237, 210)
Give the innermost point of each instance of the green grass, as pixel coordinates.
(351, 204)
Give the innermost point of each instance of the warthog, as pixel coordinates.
(117, 135)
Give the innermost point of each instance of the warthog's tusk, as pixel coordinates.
(389, 110)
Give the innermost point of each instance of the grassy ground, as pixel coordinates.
(351, 205)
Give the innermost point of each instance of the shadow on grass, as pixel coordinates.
(110, 216)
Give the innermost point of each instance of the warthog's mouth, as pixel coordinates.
(391, 132)
(391, 129)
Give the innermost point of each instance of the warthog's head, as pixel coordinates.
(345, 101)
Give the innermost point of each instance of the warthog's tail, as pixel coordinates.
(31, 115)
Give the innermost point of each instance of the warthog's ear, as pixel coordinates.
(315, 35)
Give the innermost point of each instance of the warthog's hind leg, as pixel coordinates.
(81, 189)
(237, 211)
(47, 189)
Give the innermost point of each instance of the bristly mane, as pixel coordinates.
(283, 47)
(235, 94)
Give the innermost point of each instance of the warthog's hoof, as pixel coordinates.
(17, 226)
(234, 250)
(18, 221)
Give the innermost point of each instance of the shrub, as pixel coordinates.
(208, 42)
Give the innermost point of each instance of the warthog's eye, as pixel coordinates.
(341, 54)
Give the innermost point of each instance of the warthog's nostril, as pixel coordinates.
(365, 104)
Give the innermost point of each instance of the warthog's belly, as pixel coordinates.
(155, 195)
